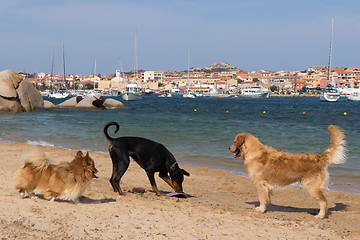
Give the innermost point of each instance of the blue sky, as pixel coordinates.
(250, 34)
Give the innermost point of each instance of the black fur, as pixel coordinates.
(151, 156)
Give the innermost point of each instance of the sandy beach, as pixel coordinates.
(220, 206)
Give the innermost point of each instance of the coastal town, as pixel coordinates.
(219, 78)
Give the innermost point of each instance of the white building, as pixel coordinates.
(152, 75)
(117, 77)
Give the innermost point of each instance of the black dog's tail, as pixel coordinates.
(110, 139)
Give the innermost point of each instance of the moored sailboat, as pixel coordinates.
(132, 90)
(330, 92)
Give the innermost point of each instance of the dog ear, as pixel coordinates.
(185, 172)
(79, 154)
(240, 139)
(88, 159)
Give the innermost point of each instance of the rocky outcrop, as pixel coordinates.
(72, 102)
(94, 102)
(91, 102)
(17, 95)
(49, 105)
(112, 103)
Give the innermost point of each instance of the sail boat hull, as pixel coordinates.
(132, 93)
(328, 96)
(131, 97)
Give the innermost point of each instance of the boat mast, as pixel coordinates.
(94, 72)
(135, 57)
(120, 65)
(52, 67)
(329, 81)
(63, 55)
(188, 74)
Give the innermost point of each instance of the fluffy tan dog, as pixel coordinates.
(268, 167)
(65, 181)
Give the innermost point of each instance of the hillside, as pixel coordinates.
(217, 67)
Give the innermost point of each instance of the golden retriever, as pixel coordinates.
(268, 167)
(65, 181)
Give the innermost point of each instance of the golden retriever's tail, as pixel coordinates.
(336, 153)
(37, 159)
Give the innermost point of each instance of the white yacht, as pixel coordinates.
(355, 96)
(254, 92)
(61, 93)
(132, 93)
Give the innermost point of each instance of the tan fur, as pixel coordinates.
(268, 167)
(65, 181)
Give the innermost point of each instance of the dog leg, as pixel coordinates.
(153, 183)
(121, 163)
(317, 193)
(112, 177)
(167, 179)
(264, 195)
(51, 195)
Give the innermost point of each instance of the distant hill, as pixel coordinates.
(217, 67)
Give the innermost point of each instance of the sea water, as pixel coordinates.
(200, 131)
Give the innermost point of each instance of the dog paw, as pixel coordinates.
(33, 196)
(322, 216)
(260, 209)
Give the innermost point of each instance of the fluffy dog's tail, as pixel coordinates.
(37, 159)
(110, 139)
(336, 153)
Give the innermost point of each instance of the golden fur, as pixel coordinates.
(268, 167)
(65, 181)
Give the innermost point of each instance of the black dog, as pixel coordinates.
(151, 156)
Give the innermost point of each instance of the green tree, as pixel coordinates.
(273, 88)
(43, 87)
(89, 86)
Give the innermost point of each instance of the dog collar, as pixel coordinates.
(71, 172)
(172, 167)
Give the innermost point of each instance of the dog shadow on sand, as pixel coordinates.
(86, 200)
(81, 200)
(163, 194)
(339, 207)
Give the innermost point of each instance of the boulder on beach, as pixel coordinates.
(112, 103)
(17, 95)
